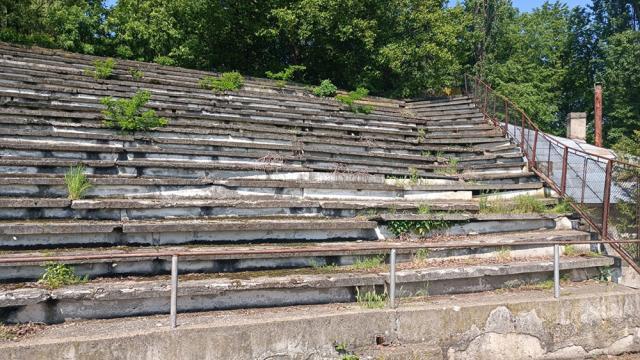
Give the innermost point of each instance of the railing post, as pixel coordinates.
(563, 180)
(174, 292)
(506, 117)
(392, 278)
(466, 87)
(522, 135)
(556, 271)
(606, 199)
(533, 151)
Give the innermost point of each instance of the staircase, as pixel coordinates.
(296, 195)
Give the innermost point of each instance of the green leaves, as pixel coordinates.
(128, 115)
(103, 69)
(228, 81)
(285, 75)
(325, 89)
(350, 100)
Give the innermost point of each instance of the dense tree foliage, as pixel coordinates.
(547, 60)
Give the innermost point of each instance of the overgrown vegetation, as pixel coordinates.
(77, 182)
(56, 275)
(228, 81)
(450, 169)
(421, 254)
(137, 74)
(370, 299)
(129, 115)
(418, 227)
(102, 69)
(523, 204)
(547, 59)
(368, 263)
(350, 100)
(287, 74)
(325, 89)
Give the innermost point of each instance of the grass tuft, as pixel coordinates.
(77, 182)
(370, 299)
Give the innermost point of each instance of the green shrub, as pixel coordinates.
(77, 182)
(228, 81)
(353, 96)
(103, 69)
(286, 74)
(137, 74)
(325, 89)
(56, 275)
(164, 60)
(129, 115)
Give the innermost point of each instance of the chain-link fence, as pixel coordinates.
(604, 191)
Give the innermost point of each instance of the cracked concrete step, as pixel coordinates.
(141, 209)
(190, 87)
(344, 186)
(137, 209)
(208, 140)
(86, 150)
(68, 100)
(107, 299)
(227, 258)
(224, 167)
(80, 82)
(275, 124)
(56, 233)
(22, 55)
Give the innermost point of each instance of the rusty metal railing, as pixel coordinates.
(604, 191)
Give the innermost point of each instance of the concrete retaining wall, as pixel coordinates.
(587, 321)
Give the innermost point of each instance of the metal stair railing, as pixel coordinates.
(604, 191)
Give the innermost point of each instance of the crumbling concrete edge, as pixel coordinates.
(535, 327)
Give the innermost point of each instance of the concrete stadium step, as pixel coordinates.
(241, 151)
(43, 233)
(91, 262)
(139, 209)
(56, 233)
(110, 299)
(343, 186)
(204, 139)
(195, 117)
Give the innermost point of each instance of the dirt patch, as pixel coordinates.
(17, 332)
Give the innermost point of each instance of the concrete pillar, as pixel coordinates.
(577, 126)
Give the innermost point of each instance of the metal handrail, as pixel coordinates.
(528, 124)
(391, 249)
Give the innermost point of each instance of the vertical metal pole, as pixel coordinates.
(392, 278)
(506, 118)
(533, 151)
(522, 136)
(584, 179)
(563, 180)
(606, 200)
(174, 291)
(466, 87)
(556, 271)
(549, 167)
